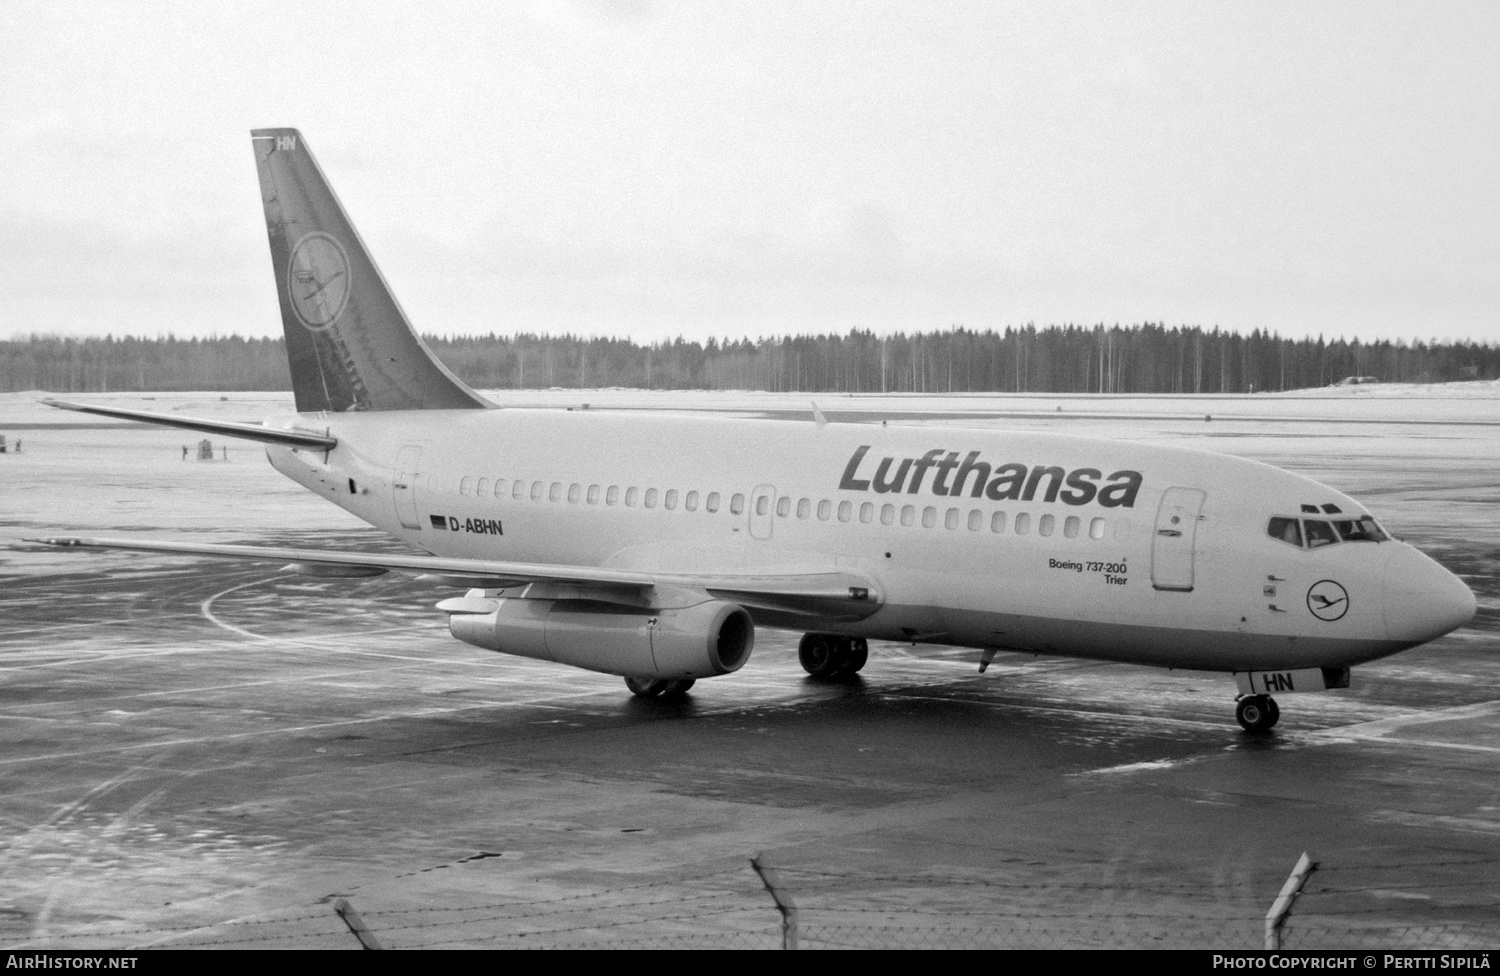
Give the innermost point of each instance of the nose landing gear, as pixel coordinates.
(1256, 713)
(832, 656)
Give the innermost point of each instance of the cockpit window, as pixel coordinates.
(1288, 530)
(1316, 533)
(1361, 530)
(1319, 533)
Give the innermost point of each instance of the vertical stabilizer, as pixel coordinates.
(348, 342)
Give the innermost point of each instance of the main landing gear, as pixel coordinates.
(1256, 713)
(659, 687)
(832, 656)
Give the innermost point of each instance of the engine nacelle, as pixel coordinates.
(710, 638)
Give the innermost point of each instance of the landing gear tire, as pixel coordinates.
(646, 687)
(859, 653)
(830, 656)
(1257, 713)
(659, 687)
(819, 655)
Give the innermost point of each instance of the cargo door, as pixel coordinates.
(1176, 536)
(762, 508)
(404, 485)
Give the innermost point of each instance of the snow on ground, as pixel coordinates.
(1476, 400)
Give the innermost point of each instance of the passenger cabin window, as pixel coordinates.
(691, 502)
(976, 520)
(575, 492)
(671, 499)
(1070, 527)
(763, 505)
(650, 497)
(612, 496)
(593, 494)
(846, 511)
(887, 514)
(1044, 527)
(466, 485)
(950, 519)
(1023, 523)
(997, 522)
(783, 506)
(536, 490)
(804, 508)
(630, 496)
(519, 492)
(736, 503)
(555, 493)
(908, 515)
(825, 509)
(483, 487)
(712, 504)
(867, 512)
(1096, 528)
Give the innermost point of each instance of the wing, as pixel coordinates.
(834, 594)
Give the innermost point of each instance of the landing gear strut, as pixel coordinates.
(832, 656)
(663, 687)
(1256, 713)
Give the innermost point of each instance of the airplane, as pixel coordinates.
(653, 547)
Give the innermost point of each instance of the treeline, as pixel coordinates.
(1148, 358)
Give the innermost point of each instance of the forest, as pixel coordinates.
(1144, 358)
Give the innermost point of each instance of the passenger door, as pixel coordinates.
(404, 485)
(1173, 544)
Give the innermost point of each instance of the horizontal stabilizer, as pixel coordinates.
(225, 428)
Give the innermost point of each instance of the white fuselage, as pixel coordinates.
(1073, 546)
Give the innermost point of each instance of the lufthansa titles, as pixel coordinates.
(979, 479)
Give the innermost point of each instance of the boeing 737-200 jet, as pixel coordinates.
(652, 547)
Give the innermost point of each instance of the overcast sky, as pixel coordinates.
(653, 169)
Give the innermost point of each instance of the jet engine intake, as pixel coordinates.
(711, 638)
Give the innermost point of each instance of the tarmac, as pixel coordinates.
(204, 753)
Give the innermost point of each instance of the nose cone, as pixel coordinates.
(1423, 601)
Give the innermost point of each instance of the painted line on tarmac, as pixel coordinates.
(1382, 726)
(311, 643)
(1081, 712)
(289, 730)
(1380, 729)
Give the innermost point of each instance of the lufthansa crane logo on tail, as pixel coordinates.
(1327, 600)
(317, 280)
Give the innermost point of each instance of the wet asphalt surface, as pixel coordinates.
(206, 753)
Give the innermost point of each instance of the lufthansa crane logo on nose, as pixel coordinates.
(1327, 600)
(317, 280)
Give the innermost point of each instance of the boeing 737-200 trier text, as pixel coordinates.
(651, 547)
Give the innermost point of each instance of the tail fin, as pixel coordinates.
(348, 342)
